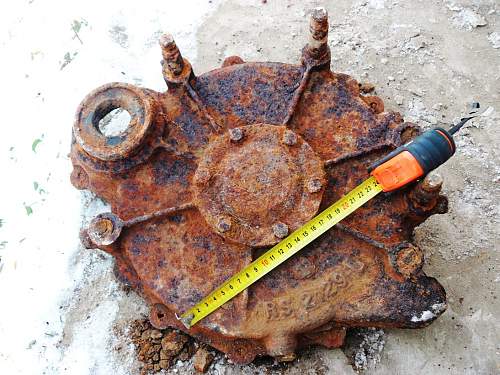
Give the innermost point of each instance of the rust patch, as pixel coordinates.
(244, 188)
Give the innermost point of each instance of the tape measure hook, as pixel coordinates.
(185, 320)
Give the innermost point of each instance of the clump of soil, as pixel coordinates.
(161, 349)
(202, 359)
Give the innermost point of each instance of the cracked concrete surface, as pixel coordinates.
(427, 60)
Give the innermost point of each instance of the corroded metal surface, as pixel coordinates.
(256, 181)
(222, 165)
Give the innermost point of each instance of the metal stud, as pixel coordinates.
(236, 134)
(314, 185)
(280, 230)
(224, 224)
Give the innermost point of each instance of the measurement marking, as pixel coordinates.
(282, 251)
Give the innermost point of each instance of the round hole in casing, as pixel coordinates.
(115, 122)
(96, 140)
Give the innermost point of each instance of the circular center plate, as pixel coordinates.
(253, 184)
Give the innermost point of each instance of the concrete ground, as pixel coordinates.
(62, 311)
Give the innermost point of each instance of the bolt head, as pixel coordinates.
(408, 260)
(432, 182)
(280, 230)
(319, 14)
(224, 224)
(167, 40)
(236, 134)
(105, 229)
(103, 226)
(314, 185)
(289, 138)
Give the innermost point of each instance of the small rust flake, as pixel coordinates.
(212, 172)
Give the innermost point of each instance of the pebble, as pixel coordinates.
(145, 334)
(155, 334)
(173, 343)
(398, 99)
(468, 19)
(431, 119)
(384, 61)
(164, 363)
(494, 39)
(202, 360)
(164, 354)
(416, 43)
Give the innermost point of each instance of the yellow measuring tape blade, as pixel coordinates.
(282, 251)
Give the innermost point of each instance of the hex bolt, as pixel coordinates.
(318, 32)
(314, 185)
(280, 230)
(171, 54)
(104, 229)
(236, 134)
(289, 138)
(407, 260)
(432, 182)
(224, 224)
(425, 195)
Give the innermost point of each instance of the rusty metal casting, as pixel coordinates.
(212, 172)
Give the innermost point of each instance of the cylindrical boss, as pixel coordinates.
(415, 159)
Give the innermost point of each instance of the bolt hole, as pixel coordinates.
(114, 123)
(160, 315)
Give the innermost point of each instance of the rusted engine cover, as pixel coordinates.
(215, 170)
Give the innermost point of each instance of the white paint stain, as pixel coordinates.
(427, 315)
